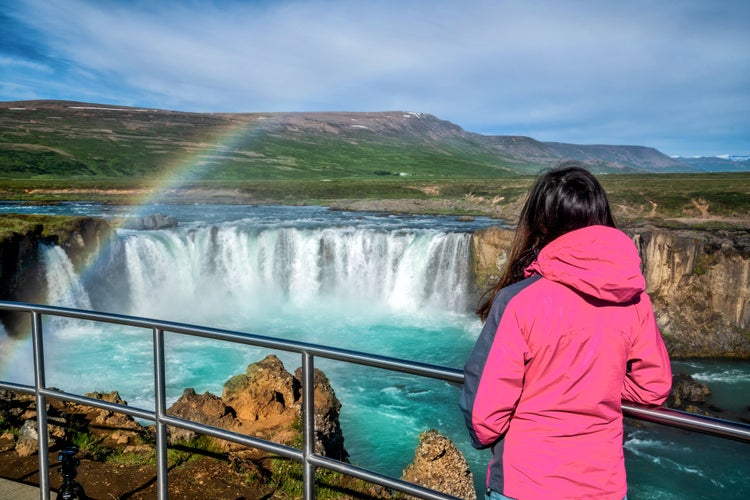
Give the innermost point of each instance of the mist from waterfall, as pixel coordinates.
(243, 271)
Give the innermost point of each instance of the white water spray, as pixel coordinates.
(240, 268)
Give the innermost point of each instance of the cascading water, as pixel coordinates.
(219, 269)
(63, 284)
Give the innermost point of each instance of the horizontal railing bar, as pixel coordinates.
(384, 362)
(243, 439)
(738, 431)
(250, 441)
(27, 389)
(374, 477)
(133, 411)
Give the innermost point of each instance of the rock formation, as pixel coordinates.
(149, 222)
(329, 439)
(22, 273)
(700, 285)
(206, 409)
(686, 393)
(490, 249)
(265, 402)
(439, 465)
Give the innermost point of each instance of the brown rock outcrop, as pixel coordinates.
(207, 409)
(490, 249)
(267, 403)
(329, 439)
(265, 392)
(439, 465)
(114, 429)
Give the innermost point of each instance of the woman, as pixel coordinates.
(569, 333)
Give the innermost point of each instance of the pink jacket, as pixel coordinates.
(559, 351)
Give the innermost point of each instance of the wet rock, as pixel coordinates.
(439, 465)
(149, 222)
(686, 392)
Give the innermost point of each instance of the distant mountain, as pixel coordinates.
(63, 139)
(723, 163)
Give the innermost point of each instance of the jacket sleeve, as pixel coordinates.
(493, 377)
(649, 376)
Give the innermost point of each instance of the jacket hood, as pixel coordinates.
(598, 261)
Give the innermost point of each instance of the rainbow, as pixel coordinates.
(196, 163)
(190, 166)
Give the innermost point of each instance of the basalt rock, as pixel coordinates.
(329, 439)
(699, 282)
(490, 249)
(439, 465)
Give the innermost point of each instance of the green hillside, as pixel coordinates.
(60, 139)
(63, 140)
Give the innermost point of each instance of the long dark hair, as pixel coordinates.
(562, 199)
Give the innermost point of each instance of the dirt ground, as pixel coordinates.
(209, 477)
(199, 478)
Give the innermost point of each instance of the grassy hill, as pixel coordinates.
(59, 139)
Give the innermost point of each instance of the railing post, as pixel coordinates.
(160, 409)
(308, 425)
(41, 403)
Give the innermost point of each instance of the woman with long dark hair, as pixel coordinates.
(569, 332)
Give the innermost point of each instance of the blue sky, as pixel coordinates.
(674, 75)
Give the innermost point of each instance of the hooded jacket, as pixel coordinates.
(559, 352)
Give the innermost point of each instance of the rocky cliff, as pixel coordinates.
(21, 272)
(699, 282)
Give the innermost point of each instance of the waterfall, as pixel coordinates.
(234, 267)
(64, 285)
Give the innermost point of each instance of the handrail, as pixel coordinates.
(307, 456)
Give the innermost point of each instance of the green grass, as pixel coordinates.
(48, 225)
(635, 197)
(177, 453)
(90, 447)
(673, 195)
(329, 485)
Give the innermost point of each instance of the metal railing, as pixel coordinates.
(306, 456)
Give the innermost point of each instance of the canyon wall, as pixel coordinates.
(22, 277)
(699, 282)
